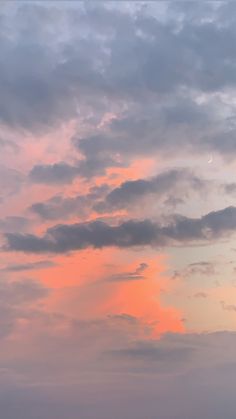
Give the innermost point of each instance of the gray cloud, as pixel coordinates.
(136, 275)
(60, 207)
(41, 264)
(167, 74)
(98, 234)
(177, 182)
(57, 173)
(145, 129)
(202, 268)
(132, 57)
(173, 186)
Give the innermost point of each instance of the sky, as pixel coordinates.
(117, 209)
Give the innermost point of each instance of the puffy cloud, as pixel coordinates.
(98, 234)
(171, 187)
(175, 182)
(46, 79)
(61, 207)
(57, 173)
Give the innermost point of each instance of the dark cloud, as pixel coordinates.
(98, 234)
(57, 173)
(151, 129)
(109, 55)
(63, 238)
(41, 264)
(136, 275)
(174, 182)
(60, 207)
(202, 268)
(172, 187)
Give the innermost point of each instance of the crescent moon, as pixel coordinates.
(210, 160)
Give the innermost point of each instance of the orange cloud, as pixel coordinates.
(93, 284)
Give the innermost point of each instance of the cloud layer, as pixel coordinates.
(118, 210)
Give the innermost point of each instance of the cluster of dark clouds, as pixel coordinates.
(109, 57)
(180, 230)
(63, 207)
(177, 183)
(171, 187)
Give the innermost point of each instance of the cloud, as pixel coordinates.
(228, 307)
(106, 56)
(58, 173)
(145, 128)
(201, 268)
(121, 84)
(41, 264)
(60, 207)
(136, 275)
(98, 234)
(172, 186)
(175, 182)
